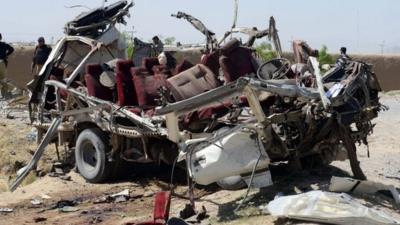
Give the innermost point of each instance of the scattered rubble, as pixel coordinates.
(39, 219)
(36, 202)
(326, 207)
(346, 184)
(68, 209)
(6, 210)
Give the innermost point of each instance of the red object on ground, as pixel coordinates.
(162, 203)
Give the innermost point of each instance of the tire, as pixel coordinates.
(232, 183)
(91, 155)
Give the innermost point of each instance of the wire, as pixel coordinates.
(172, 173)
(252, 176)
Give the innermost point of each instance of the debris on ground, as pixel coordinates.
(6, 210)
(67, 209)
(187, 212)
(65, 177)
(202, 215)
(162, 202)
(346, 184)
(32, 135)
(95, 220)
(122, 196)
(176, 221)
(36, 202)
(39, 219)
(63, 203)
(45, 196)
(124, 193)
(327, 207)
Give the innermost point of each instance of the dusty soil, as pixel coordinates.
(381, 166)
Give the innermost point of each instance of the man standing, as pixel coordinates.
(5, 51)
(42, 52)
(158, 46)
(343, 58)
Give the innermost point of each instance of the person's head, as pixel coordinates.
(166, 59)
(162, 59)
(156, 40)
(41, 41)
(343, 50)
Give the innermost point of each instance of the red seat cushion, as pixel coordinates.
(125, 87)
(93, 85)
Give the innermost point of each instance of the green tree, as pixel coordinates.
(324, 57)
(129, 44)
(169, 40)
(265, 52)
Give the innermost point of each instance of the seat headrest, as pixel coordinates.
(230, 46)
(148, 63)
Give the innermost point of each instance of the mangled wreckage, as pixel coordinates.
(228, 116)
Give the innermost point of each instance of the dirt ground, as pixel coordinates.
(16, 146)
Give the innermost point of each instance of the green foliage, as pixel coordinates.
(169, 40)
(265, 52)
(324, 57)
(129, 50)
(129, 44)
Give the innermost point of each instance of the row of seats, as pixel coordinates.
(139, 86)
(135, 86)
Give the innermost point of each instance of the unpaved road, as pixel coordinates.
(382, 166)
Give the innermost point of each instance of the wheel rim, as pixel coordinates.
(89, 156)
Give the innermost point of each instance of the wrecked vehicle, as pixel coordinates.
(226, 116)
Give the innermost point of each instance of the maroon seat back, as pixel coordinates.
(236, 61)
(211, 61)
(148, 64)
(194, 81)
(147, 87)
(58, 73)
(92, 76)
(184, 65)
(125, 87)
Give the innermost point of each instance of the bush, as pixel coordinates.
(324, 57)
(129, 49)
(169, 40)
(129, 44)
(265, 52)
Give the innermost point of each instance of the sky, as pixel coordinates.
(363, 26)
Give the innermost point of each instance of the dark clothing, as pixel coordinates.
(41, 54)
(343, 59)
(5, 51)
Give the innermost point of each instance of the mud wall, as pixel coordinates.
(19, 65)
(387, 67)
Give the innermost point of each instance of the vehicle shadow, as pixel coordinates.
(286, 182)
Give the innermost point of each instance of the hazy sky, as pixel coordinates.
(366, 26)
